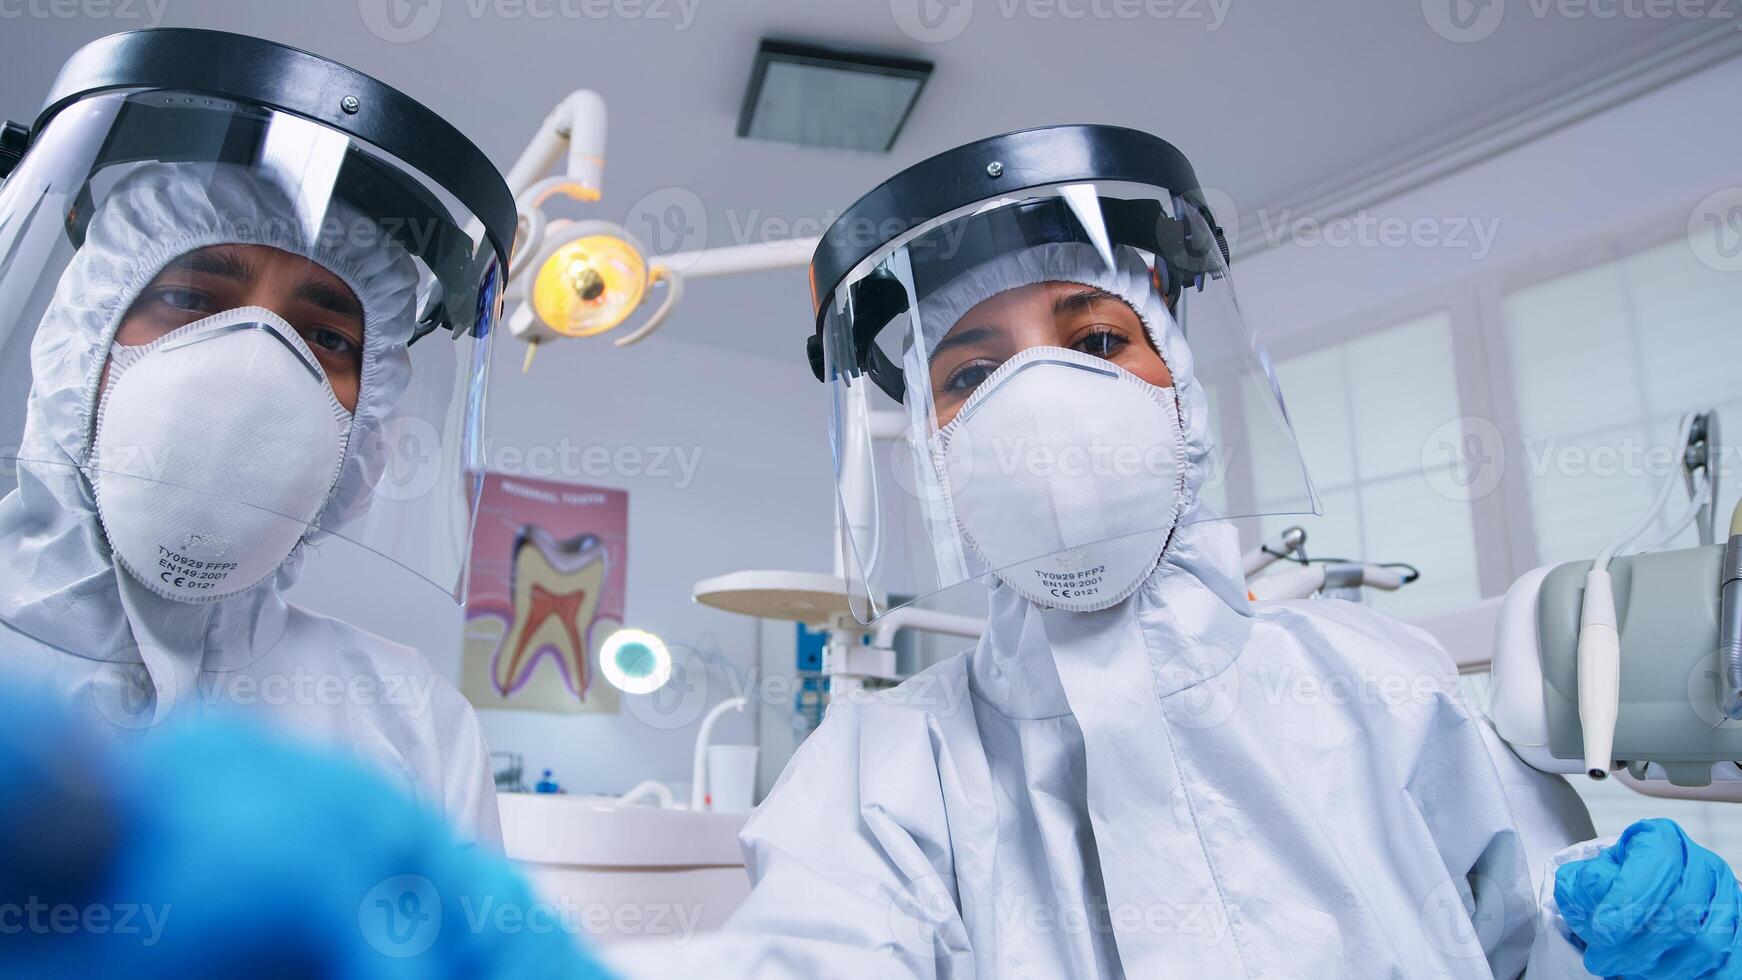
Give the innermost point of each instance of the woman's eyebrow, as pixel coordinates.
(1082, 301)
(960, 338)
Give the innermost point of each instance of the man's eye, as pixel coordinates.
(1101, 343)
(330, 341)
(969, 376)
(183, 299)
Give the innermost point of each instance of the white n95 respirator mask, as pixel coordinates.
(216, 448)
(1064, 473)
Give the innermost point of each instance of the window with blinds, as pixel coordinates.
(1605, 362)
(1370, 414)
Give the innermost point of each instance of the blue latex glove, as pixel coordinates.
(1655, 904)
(219, 849)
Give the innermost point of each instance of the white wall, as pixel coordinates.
(760, 498)
(1662, 151)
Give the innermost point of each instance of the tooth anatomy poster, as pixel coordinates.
(546, 589)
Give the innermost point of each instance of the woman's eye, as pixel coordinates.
(1101, 343)
(969, 376)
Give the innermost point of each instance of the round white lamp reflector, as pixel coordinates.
(635, 661)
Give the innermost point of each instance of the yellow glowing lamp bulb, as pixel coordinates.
(589, 285)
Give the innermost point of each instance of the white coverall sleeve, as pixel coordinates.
(468, 783)
(850, 863)
(1553, 827)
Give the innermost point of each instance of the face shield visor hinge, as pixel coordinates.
(1221, 247)
(433, 318)
(813, 350)
(14, 138)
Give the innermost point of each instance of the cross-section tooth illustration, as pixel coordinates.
(555, 585)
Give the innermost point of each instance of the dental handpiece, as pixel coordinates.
(1730, 620)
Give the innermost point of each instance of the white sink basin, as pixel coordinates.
(557, 828)
(629, 871)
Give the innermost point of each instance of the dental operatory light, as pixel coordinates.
(824, 96)
(584, 278)
(589, 285)
(575, 278)
(635, 661)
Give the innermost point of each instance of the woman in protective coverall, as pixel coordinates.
(219, 370)
(1137, 772)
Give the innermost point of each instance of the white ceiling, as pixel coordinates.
(1273, 100)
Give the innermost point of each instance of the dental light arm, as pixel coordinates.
(585, 278)
(573, 284)
(575, 126)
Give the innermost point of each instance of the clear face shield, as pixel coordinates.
(1043, 386)
(228, 330)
